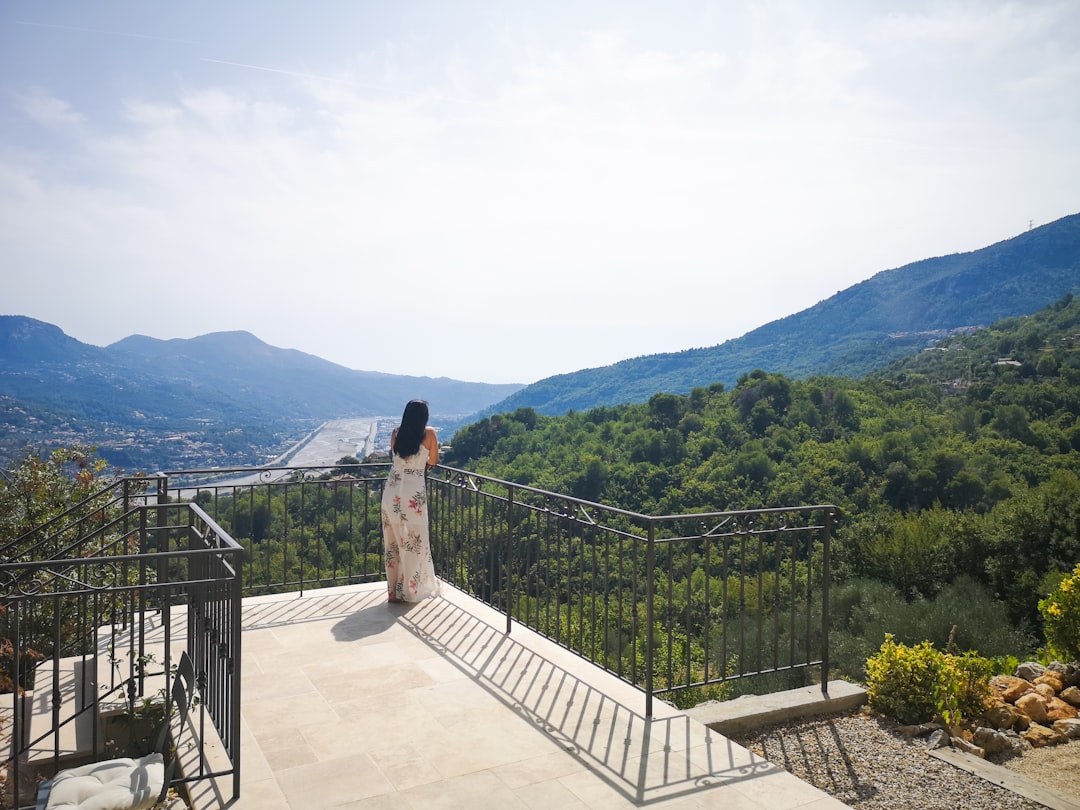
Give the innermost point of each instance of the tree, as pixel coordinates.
(665, 410)
(1011, 422)
(346, 465)
(37, 490)
(41, 487)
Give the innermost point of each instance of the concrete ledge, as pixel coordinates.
(751, 712)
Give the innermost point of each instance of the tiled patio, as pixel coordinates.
(349, 702)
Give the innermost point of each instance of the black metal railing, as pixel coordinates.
(96, 608)
(302, 527)
(676, 605)
(673, 604)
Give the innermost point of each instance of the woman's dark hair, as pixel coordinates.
(411, 432)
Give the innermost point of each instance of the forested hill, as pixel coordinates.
(1003, 403)
(960, 462)
(894, 313)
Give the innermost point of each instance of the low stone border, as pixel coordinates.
(750, 712)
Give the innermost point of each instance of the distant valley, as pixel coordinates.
(223, 399)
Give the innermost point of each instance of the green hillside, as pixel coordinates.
(892, 314)
(958, 470)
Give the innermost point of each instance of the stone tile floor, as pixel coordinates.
(349, 702)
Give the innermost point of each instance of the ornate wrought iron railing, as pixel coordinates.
(675, 604)
(95, 609)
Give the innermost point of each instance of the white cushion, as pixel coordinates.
(116, 784)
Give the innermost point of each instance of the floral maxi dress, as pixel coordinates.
(410, 572)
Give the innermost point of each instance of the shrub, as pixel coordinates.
(964, 686)
(1061, 616)
(965, 613)
(902, 681)
(913, 684)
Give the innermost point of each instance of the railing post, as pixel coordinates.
(18, 703)
(143, 599)
(650, 592)
(236, 588)
(509, 558)
(161, 544)
(162, 501)
(826, 573)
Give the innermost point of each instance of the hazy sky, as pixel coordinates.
(501, 191)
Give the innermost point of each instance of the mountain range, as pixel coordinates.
(228, 398)
(222, 398)
(892, 314)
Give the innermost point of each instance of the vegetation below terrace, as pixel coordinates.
(958, 471)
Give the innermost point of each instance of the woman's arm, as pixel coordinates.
(431, 442)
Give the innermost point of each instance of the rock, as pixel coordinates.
(1006, 716)
(1054, 680)
(939, 739)
(1033, 705)
(1058, 709)
(1030, 670)
(963, 745)
(1070, 673)
(1070, 728)
(917, 730)
(1009, 687)
(993, 741)
(1040, 736)
(1071, 695)
(1046, 690)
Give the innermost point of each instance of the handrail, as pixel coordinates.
(660, 538)
(94, 609)
(49, 527)
(559, 564)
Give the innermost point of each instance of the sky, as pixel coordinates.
(503, 191)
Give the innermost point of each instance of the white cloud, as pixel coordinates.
(545, 205)
(50, 112)
(975, 28)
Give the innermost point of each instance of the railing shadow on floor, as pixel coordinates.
(645, 760)
(262, 613)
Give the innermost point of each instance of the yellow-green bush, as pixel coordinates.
(913, 684)
(901, 681)
(1061, 617)
(964, 688)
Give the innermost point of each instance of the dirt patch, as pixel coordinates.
(1056, 766)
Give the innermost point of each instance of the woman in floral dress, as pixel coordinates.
(410, 573)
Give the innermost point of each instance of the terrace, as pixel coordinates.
(532, 681)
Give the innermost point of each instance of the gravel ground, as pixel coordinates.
(864, 763)
(1056, 766)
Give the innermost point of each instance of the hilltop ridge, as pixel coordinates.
(225, 398)
(893, 313)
